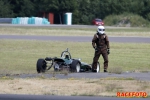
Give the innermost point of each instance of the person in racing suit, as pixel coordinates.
(100, 43)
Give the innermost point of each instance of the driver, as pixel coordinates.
(100, 43)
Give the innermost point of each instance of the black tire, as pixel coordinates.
(75, 66)
(41, 65)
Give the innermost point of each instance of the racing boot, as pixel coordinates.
(105, 70)
(94, 70)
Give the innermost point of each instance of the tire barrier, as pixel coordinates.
(31, 20)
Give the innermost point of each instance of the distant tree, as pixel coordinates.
(23, 8)
(5, 9)
(86, 10)
(83, 10)
(58, 7)
(145, 12)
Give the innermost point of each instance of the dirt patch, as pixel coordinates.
(71, 86)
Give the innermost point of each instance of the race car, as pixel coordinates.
(64, 62)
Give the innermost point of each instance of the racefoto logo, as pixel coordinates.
(132, 94)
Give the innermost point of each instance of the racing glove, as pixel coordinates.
(95, 48)
(108, 51)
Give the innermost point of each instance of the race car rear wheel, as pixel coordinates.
(98, 67)
(75, 66)
(41, 65)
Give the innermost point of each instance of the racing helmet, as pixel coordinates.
(101, 29)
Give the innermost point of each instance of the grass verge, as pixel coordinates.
(20, 56)
(111, 31)
(73, 87)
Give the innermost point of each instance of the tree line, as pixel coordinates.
(83, 10)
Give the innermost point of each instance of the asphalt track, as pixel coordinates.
(45, 97)
(140, 76)
(76, 38)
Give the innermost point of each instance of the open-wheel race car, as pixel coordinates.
(65, 62)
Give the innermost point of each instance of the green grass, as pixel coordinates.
(111, 31)
(20, 56)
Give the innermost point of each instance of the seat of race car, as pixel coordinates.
(67, 57)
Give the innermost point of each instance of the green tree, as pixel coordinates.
(58, 7)
(5, 9)
(83, 10)
(86, 11)
(23, 8)
(145, 12)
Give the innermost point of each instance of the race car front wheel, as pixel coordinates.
(41, 65)
(75, 66)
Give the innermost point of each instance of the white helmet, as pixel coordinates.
(101, 29)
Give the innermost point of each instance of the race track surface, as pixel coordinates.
(45, 97)
(76, 38)
(137, 76)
